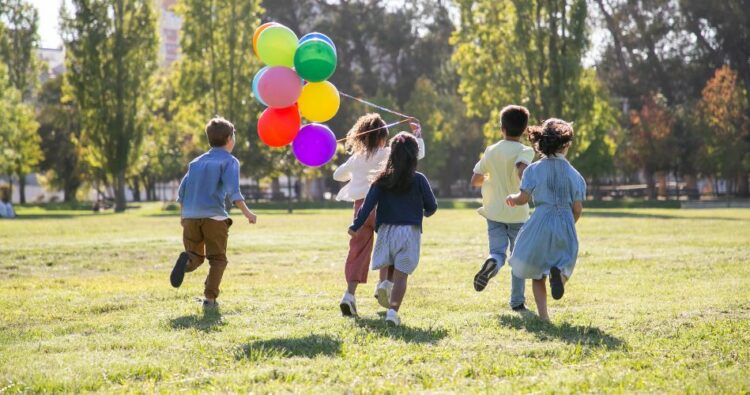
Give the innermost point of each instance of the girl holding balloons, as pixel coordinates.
(366, 141)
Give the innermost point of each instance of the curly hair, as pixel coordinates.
(551, 137)
(367, 134)
(401, 166)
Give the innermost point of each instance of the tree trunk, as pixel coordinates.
(290, 208)
(119, 187)
(691, 187)
(742, 185)
(661, 176)
(136, 189)
(69, 192)
(650, 184)
(275, 188)
(22, 188)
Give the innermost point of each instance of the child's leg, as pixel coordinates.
(540, 297)
(216, 234)
(360, 250)
(399, 288)
(192, 239)
(518, 285)
(389, 271)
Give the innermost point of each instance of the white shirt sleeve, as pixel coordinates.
(526, 156)
(344, 172)
(420, 144)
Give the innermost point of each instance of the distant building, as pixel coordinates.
(55, 62)
(169, 33)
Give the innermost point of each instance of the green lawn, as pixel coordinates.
(660, 302)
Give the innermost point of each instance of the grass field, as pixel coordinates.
(660, 302)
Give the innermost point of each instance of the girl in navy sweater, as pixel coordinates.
(403, 197)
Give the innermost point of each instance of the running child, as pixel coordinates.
(547, 245)
(403, 197)
(366, 141)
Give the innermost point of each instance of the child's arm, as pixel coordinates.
(577, 209)
(428, 198)
(251, 217)
(343, 173)
(370, 202)
(416, 130)
(231, 180)
(517, 199)
(520, 167)
(477, 180)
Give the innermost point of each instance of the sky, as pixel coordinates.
(49, 11)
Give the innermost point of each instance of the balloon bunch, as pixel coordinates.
(293, 84)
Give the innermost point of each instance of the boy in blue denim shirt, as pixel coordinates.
(204, 218)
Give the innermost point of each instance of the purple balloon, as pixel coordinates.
(279, 87)
(315, 145)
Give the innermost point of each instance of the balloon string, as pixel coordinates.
(363, 101)
(376, 129)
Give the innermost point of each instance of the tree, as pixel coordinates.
(723, 108)
(649, 142)
(524, 52)
(111, 56)
(18, 45)
(217, 70)
(60, 133)
(18, 136)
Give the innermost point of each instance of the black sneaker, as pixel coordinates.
(178, 273)
(485, 274)
(556, 284)
(520, 307)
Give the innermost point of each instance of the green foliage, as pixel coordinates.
(19, 140)
(217, 69)
(18, 45)
(111, 56)
(60, 133)
(529, 53)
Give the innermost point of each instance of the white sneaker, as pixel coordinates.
(391, 317)
(383, 293)
(348, 305)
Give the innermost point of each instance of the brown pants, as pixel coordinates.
(360, 249)
(207, 238)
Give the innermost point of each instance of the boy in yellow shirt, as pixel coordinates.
(499, 174)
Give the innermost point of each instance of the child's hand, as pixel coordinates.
(252, 218)
(511, 200)
(352, 233)
(416, 127)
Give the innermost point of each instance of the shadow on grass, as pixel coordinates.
(307, 347)
(628, 214)
(573, 334)
(207, 322)
(403, 332)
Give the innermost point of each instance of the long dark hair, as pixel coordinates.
(399, 171)
(551, 137)
(366, 135)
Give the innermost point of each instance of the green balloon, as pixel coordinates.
(276, 46)
(315, 60)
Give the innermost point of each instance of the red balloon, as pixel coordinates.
(278, 127)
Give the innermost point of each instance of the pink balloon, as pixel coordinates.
(279, 87)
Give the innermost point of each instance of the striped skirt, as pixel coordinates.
(397, 245)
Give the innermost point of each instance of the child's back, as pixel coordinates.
(210, 178)
(499, 166)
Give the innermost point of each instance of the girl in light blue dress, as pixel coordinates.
(547, 244)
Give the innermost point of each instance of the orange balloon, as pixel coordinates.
(257, 33)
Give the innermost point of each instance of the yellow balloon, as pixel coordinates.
(319, 101)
